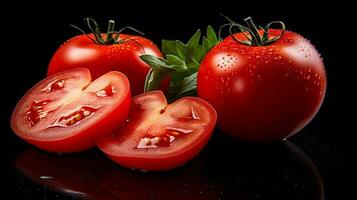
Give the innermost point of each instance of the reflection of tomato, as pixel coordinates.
(189, 183)
(80, 51)
(278, 171)
(159, 136)
(263, 93)
(74, 175)
(281, 172)
(67, 112)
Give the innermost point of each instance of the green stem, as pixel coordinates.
(111, 24)
(252, 34)
(257, 38)
(111, 35)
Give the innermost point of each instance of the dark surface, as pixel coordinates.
(317, 162)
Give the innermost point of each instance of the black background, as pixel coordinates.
(32, 33)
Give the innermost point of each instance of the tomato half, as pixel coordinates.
(263, 93)
(158, 136)
(66, 112)
(80, 51)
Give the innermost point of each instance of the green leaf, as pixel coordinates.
(211, 36)
(154, 62)
(184, 87)
(168, 47)
(176, 63)
(159, 70)
(194, 42)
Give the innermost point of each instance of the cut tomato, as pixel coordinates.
(158, 136)
(66, 112)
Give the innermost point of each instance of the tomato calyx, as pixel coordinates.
(251, 32)
(110, 37)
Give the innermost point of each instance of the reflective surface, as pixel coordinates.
(231, 171)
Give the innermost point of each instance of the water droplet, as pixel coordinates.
(308, 77)
(46, 177)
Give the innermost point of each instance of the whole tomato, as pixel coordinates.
(265, 84)
(104, 52)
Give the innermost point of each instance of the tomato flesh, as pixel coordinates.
(158, 136)
(66, 112)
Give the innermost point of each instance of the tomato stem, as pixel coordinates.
(252, 33)
(112, 36)
(256, 38)
(111, 24)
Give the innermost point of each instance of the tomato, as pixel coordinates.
(158, 136)
(263, 92)
(66, 112)
(101, 57)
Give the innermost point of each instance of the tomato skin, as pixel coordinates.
(263, 93)
(77, 137)
(160, 163)
(141, 115)
(80, 51)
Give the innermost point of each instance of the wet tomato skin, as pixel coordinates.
(263, 93)
(80, 51)
(141, 142)
(75, 115)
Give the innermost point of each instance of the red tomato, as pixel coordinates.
(80, 51)
(158, 136)
(66, 112)
(263, 93)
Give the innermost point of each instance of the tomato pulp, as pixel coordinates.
(66, 112)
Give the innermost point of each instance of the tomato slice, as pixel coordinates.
(66, 112)
(158, 136)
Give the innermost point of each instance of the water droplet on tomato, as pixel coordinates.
(46, 177)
